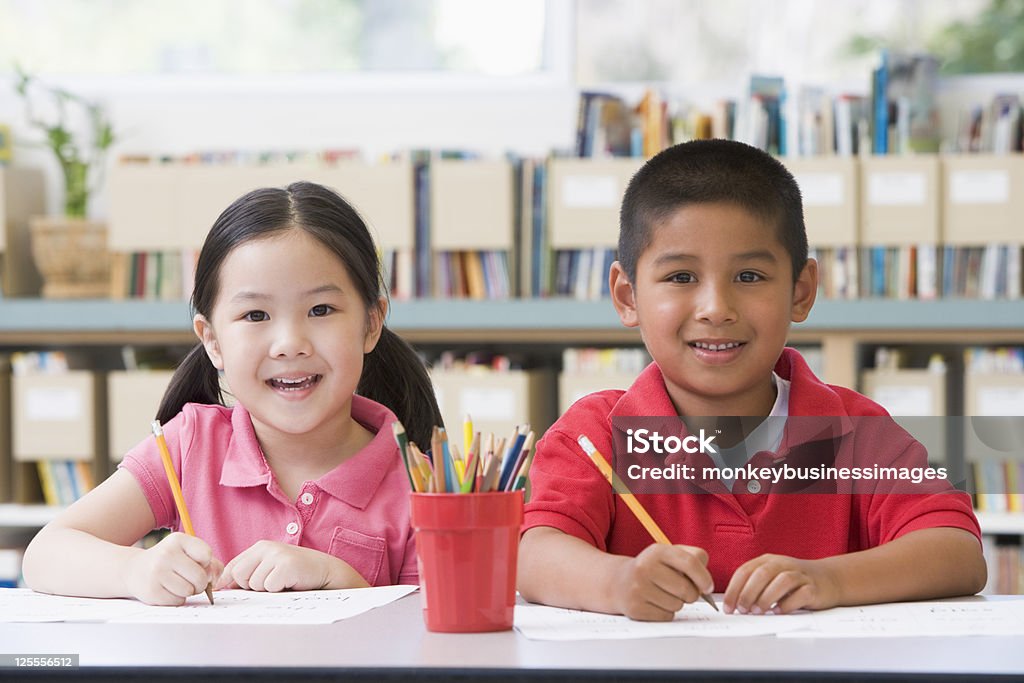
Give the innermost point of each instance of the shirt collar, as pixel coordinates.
(807, 395)
(354, 481)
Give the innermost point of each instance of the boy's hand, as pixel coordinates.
(780, 584)
(655, 584)
(273, 567)
(175, 568)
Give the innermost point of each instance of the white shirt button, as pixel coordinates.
(307, 498)
(754, 486)
(292, 528)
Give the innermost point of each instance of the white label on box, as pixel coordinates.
(53, 405)
(909, 401)
(488, 404)
(1008, 401)
(979, 187)
(590, 192)
(821, 189)
(897, 189)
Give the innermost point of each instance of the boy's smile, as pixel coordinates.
(713, 298)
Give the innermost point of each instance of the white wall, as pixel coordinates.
(373, 116)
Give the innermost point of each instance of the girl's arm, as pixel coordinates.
(86, 550)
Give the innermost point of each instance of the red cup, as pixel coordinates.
(467, 545)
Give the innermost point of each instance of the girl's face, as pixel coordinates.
(289, 330)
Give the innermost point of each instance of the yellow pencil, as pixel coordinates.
(179, 500)
(467, 434)
(629, 499)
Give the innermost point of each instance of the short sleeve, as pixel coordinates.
(897, 509)
(568, 493)
(145, 463)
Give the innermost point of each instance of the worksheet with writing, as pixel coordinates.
(230, 607)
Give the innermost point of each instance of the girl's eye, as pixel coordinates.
(749, 276)
(256, 316)
(682, 278)
(320, 310)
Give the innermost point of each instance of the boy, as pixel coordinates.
(713, 268)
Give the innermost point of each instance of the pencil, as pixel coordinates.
(629, 499)
(179, 500)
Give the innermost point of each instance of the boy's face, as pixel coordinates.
(713, 298)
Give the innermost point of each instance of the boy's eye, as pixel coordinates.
(749, 276)
(320, 310)
(682, 278)
(256, 316)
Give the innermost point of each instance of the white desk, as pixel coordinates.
(391, 642)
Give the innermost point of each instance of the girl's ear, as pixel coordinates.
(804, 291)
(204, 330)
(375, 324)
(623, 296)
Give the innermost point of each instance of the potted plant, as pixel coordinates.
(70, 251)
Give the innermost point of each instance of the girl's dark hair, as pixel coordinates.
(393, 374)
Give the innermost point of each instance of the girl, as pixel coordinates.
(299, 485)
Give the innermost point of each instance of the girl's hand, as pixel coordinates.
(175, 568)
(273, 567)
(655, 584)
(780, 584)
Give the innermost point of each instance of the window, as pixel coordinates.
(260, 38)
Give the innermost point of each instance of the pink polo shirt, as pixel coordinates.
(358, 511)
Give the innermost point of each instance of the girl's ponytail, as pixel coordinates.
(194, 381)
(394, 376)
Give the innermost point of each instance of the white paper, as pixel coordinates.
(896, 189)
(1001, 401)
(906, 401)
(590, 192)
(821, 189)
(972, 618)
(53, 405)
(488, 404)
(538, 622)
(979, 187)
(230, 607)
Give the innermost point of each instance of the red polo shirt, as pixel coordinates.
(569, 494)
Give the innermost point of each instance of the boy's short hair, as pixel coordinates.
(707, 171)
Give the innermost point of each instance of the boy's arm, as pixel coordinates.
(558, 569)
(922, 564)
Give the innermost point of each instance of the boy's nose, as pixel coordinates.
(715, 306)
(290, 340)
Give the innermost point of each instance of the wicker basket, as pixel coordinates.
(71, 254)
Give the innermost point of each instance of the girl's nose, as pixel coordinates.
(290, 340)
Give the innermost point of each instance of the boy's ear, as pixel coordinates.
(375, 324)
(805, 290)
(204, 330)
(623, 296)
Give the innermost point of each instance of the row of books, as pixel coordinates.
(1005, 562)
(587, 361)
(541, 227)
(997, 485)
(64, 481)
(921, 272)
(1003, 360)
(899, 115)
(166, 275)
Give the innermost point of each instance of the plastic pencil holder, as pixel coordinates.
(467, 546)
